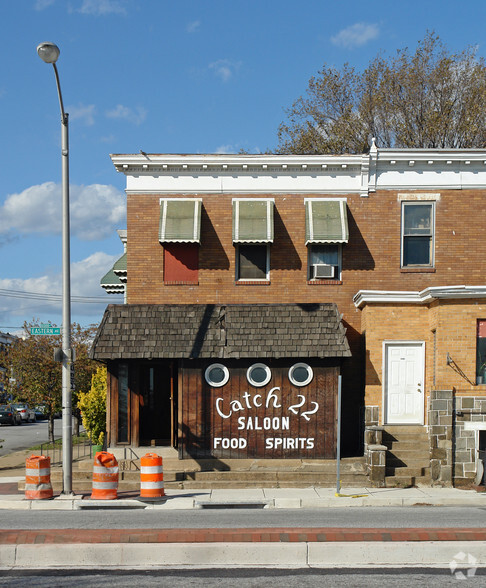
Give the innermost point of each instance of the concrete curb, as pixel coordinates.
(277, 555)
(175, 502)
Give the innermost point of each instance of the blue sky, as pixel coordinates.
(185, 76)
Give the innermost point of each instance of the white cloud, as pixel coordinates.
(356, 35)
(84, 112)
(225, 68)
(96, 211)
(42, 4)
(193, 26)
(135, 116)
(225, 149)
(102, 7)
(85, 281)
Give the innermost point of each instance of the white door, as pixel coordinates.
(404, 383)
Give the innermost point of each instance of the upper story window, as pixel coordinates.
(418, 220)
(252, 236)
(179, 233)
(252, 262)
(324, 262)
(326, 229)
(481, 352)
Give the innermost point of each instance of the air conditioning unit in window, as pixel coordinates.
(323, 271)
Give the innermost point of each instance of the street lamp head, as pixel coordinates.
(48, 52)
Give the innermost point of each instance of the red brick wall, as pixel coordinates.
(371, 261)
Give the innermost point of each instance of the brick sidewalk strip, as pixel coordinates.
(310, 535)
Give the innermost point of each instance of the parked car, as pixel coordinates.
(9, 416)
(40, 412)
(27, 414)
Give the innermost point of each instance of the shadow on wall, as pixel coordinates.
(214, 257)
(284, 253)
(356, 255)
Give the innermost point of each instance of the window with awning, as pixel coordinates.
(253, 220)
(180, 220)
(326, 221)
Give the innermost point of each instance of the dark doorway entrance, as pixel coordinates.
(157, 395)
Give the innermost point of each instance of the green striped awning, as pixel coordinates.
(253, 220)
(326, 221)
(180, 220)
(120, 268)
(112, 283)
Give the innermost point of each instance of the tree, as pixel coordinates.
(428, 99)
(37, 378)
(93, 407)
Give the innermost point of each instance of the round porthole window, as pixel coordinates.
(301, 374)
(258, 374)
(216, 375)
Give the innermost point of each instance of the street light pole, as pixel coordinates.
(49, 52)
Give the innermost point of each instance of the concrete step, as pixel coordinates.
(407, 471)
(417, 445)
(406, 429)
(405, 460)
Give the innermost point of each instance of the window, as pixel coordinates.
(481, 352)
(181, 263)
(258, 375)
(301, 374)
(217, 375)
(123, 403)
(324, 262)
(252, 262)
(417, 234)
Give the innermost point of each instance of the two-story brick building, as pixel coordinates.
(253, 281)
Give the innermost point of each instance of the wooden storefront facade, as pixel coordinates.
(225, 401)
(171, 403)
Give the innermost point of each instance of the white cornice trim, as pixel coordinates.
(381, 169)
(364, 297)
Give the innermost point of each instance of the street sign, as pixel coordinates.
(45, 329)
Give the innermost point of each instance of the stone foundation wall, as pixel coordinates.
(453, 441)
(374, 450)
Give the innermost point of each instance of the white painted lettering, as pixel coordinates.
(295, 406)
(307, 412)
(219, 411)
(272, 396)
(236, 405)
(241, 423)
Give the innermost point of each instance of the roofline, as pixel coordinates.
(364, 297)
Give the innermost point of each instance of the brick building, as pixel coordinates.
(253, 281)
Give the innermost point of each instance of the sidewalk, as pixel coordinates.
(311, 497)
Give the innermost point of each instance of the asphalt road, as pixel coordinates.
(248, 577)
(376, 517)
(26, 435)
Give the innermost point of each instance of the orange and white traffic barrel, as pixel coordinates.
(105, 476)
(38, 477)
(151, 476)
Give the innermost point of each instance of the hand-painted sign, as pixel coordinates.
(250, 422)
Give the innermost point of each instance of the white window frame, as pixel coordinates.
(310, 276)
(264, 367)
(237, 262)
(217, 384)
(405, 203)
(306, 382)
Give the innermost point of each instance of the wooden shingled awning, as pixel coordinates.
(144, 331)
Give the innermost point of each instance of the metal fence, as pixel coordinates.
(81, 449)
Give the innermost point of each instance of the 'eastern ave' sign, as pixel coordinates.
(45, 329)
